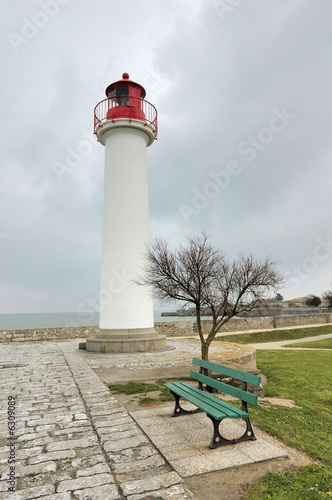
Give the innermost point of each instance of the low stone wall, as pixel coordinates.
(240, 324)
(38, 334)
(268, 322)
(301, 319)
(175, 328)
(170, 329)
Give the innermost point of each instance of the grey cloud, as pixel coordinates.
(218, 83)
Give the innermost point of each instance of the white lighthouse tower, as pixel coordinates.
(126, 125)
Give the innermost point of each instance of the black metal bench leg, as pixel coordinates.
(249, 433)
(219, 440)
(178, 410)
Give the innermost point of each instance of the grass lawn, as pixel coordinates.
(305, 377)
(275, 335)
(317, 344)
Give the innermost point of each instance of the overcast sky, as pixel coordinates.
(243, 92)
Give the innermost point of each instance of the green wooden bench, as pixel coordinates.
(215, 408)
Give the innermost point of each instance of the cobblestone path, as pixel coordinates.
(64, 436)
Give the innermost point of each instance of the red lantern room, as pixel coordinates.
(125, 99)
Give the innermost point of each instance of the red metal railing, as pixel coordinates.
(125, 107)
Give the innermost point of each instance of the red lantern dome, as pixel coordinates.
(125, 99)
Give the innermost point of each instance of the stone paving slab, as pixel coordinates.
(184, 441)
(71, 439)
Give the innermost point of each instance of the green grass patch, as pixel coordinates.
(143, 389)
(305, 377)
(308, 483)
(276, 335)
(316, 344)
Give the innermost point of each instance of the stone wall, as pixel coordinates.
(38, 334)
(301, 319)
(240, 324)
(269, 322)
(175, 328)
(171, 329)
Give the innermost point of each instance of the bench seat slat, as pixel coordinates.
(230, 410)
(215, 407)
(202, 401)
(228, 389)
(184, 391)
(229, 372)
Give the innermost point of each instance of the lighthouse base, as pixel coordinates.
(124, 341)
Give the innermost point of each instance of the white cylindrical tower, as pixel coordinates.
(126, 125)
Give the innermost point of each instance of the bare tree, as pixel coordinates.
(198, 275)
(328, 297)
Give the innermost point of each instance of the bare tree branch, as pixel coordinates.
(328, 297)
(198, 274)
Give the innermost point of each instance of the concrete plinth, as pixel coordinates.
(126, 341)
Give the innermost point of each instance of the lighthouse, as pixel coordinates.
(126, 124)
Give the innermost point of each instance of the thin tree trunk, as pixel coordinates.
(199, 324)
(205, 351)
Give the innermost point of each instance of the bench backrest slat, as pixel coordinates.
(248, 397)
(229, 372)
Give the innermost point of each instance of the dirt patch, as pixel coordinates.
(119, 375)
(132, 402)
(288, 403)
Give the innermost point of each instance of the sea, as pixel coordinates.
(66, 319)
